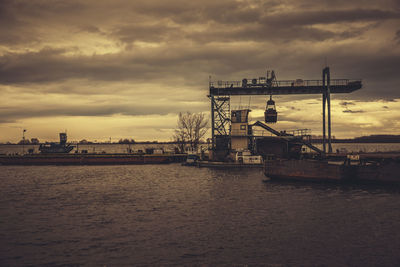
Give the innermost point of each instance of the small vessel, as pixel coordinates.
(245, 157)
(191, 160)
(61, 147)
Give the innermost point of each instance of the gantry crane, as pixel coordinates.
(222, 91)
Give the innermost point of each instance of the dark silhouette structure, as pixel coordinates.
(221, 92)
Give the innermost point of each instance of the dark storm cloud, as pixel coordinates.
(379, 73)
(147, 20)
(261, 33)
(240, 25)
(192, 12)
(91, 29)
(53, 65)
(263, 12)
(346, 103)
(379, 70)
(147, 33)
(12, 28)
(14, 113)
(20, 21)
(397, 37)
(328, 17)
(49, 65)
(352, 111)
(344, 4)
(192, 39)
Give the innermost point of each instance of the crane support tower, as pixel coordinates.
(221, 92)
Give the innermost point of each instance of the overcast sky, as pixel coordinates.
(119, 69)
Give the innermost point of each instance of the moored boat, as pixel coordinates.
(353, 169)
(61, 147)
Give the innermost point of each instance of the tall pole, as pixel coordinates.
(326, 80)
(328, 95)
(323, 122)
(23, 141)
(323, 113)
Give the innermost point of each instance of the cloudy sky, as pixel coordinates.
(102, 69)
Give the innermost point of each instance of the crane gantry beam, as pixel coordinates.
(284, 88)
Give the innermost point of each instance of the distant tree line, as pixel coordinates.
(33, 141)
(126, 141)
(365, 139)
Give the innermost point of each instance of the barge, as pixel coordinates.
(243, 159)
(90, 159)
(227, 165)
(357, 169)
(61, 147)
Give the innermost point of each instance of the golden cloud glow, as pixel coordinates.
(126, 69)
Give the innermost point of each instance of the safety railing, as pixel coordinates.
(262, 133)
(286, 83)
(305, 133)
(299, 132)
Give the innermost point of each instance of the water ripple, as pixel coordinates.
(171, 214)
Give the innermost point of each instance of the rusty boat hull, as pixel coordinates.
(325, 171)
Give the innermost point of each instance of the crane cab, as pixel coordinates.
(270, 114)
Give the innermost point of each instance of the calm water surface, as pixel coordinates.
(170, 214)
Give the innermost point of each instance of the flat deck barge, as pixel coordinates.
(227, 165)
(90, 159)
(376, 167)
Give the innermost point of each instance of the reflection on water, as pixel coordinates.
(170, 214)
